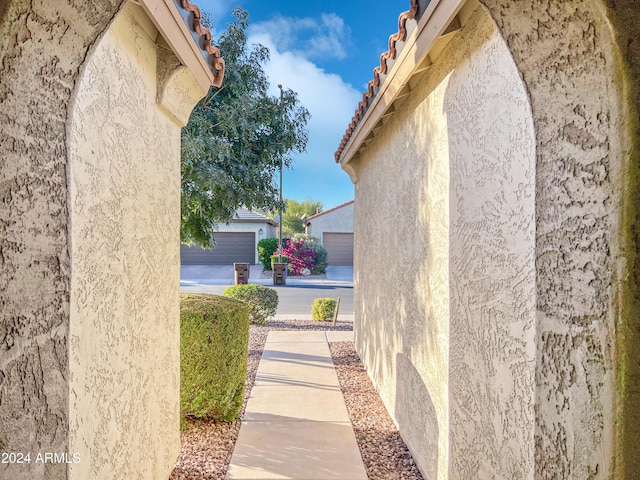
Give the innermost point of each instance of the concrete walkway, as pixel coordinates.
(296, 424)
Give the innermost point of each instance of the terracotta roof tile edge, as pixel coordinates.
(390, 54)
(215, 61)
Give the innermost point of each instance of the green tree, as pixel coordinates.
(296, 212)
(235, 140)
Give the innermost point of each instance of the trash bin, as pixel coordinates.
(241, 273)
(280, 273)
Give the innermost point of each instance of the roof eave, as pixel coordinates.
(253, 220)
(434, 24)
(178, 21)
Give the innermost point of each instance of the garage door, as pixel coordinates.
(230, 248)
(339, 247)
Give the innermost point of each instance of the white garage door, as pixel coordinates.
(231, 247)
(339, 247)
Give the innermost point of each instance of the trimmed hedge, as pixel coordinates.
(323, 309)
(262, 300)
(214, 343)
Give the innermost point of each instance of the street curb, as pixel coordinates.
(347, 318)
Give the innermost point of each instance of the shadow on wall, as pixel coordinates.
(411, 391)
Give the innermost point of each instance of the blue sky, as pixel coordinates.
(326, 52)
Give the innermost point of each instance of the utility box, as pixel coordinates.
(241, 273)
(280, 273)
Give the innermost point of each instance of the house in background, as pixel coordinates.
(334, 229)
(496, 157)
(235, 243)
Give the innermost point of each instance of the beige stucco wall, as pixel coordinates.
(337, 221)
(124, 197)
(447, 331)
(571, 56)
(42, 46)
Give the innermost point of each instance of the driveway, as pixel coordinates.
(295, 299)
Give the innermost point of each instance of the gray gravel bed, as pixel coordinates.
(384, 453)
(207, 445)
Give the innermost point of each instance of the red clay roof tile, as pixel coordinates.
(216, 63)
(401, 36)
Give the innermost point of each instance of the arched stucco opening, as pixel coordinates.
(579, 62)
(92, 99)
(131, 100)
(43, 46)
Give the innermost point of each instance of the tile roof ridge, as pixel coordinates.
(216, 62)
(247, 213)
(390, 54)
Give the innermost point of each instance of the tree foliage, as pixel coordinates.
(296, 212)
(236, 139)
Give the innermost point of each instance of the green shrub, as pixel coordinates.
(214, 341)
(320, 257)
(262, 300)
(323, 309)
(266, 248)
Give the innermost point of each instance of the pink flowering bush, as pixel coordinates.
(301, 256)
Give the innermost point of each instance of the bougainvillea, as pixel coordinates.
(300, 255)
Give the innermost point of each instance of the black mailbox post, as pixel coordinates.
(241, 273)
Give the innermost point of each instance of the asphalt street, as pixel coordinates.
(294, 301)
(295, 298)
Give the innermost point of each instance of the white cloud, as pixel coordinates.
(324, 38)
(331, 102)
(327, 96)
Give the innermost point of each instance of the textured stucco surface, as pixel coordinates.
(565, 51)
(543, 318)
(491, 260)
(42, 45)
(447, 331)
(89, 249)
(124, 193)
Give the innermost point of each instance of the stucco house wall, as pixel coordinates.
(449, 196)
(124, 186)
(500, 151)
(92, 99)
(338, 220)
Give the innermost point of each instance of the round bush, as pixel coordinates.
(323, 309)
(263, 301)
